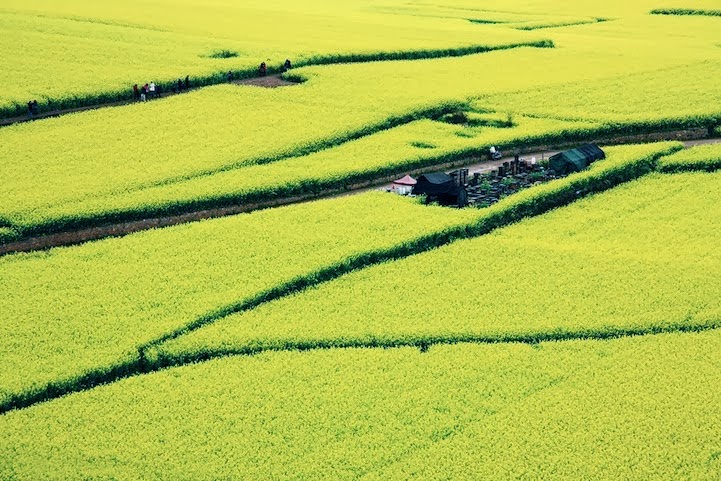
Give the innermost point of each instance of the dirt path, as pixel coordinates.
(121, 229)
(270, 81)
(487, 166)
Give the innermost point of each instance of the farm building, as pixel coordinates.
(575, 160)
(404, 186)
(441, 188)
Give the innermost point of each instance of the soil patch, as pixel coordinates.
(269, 81)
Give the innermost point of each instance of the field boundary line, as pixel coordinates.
(682, 12)
(139, 367)
(425, 342)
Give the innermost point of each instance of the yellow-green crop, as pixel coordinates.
(644, 408)
(702, 157)
(417, 144)
(171, 141)
(70, 313)
(75, 52)
(605, 265)
(75, 316)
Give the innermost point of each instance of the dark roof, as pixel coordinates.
(577, 159)
(435, 185)
(436, 178)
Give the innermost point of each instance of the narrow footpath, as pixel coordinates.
(269, 81)
(485, 167)
(125, 228)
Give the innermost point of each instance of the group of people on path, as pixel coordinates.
(152, 90)
(146, 92)
(33, 108)
(263, 69)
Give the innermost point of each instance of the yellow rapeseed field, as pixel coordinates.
(568, 331)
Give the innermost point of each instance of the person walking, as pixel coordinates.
(263, 69)
(136, 92)
(36, 108)
(144, 93)
(230, 76)
(151, 90)
(30, 109)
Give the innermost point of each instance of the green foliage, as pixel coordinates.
(118, 53)
(223, 54)
(640, 259)
(538, 25)
(536, 176)
(210, 260)
(702, 157)
(686, 11)
(7, 234)
(507, 181)
(117, 174)
(458, 117)
(389, 152)
(647, 110)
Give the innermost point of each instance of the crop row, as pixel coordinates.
(633, 408)
(168, 83)
(82, 312)
(621, 102)
(117, 49)
(101, 302)
(703, 157)
(363, 160)
(686, 11)
(46, 175)
(41, 52)
(226, 127)
(584, 270)
(387, 153)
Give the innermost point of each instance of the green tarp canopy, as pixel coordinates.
(575, 160)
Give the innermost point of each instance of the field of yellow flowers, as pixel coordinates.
(569, 331)
(582, 330)
(633, 72)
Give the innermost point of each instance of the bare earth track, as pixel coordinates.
(124, 228)
(269, 81)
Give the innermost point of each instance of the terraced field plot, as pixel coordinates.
(434, 404)
(569, 331)
(636, 73)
